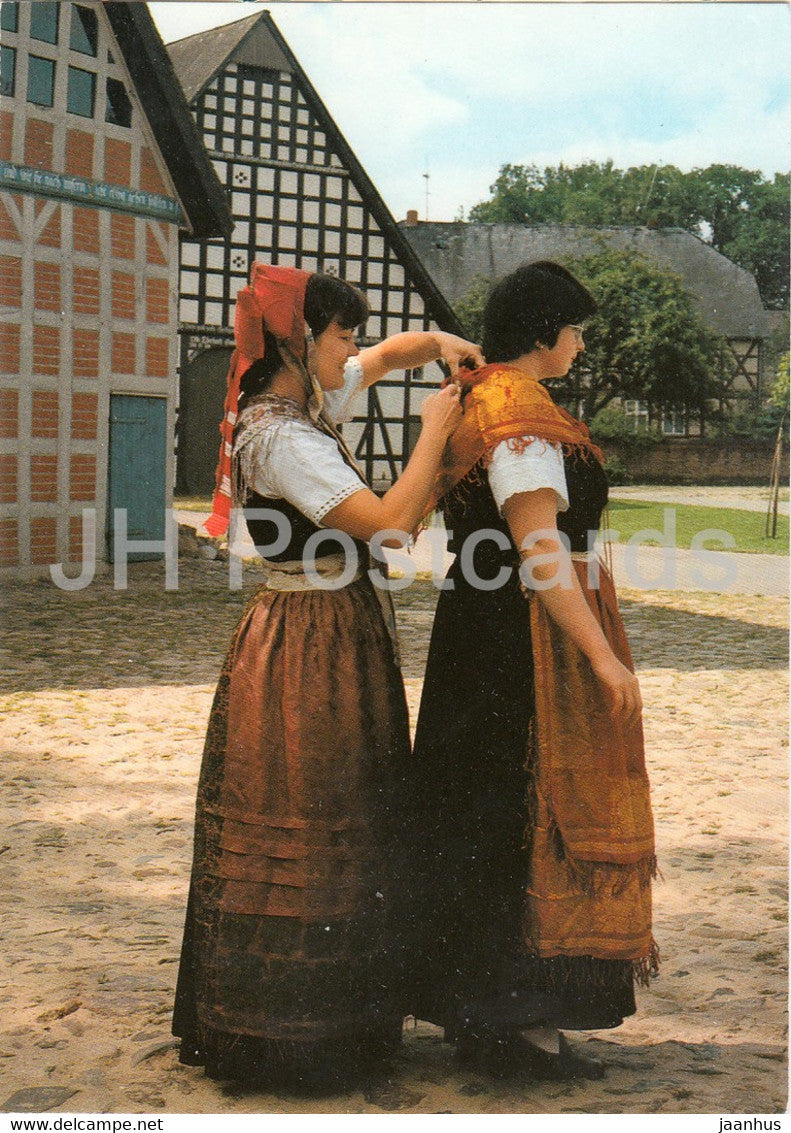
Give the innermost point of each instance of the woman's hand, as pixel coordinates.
(441, 412)
(621, 688)
(457, 352)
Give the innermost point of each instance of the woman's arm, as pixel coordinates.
(532, 519)
(364, 514)
(415, 348)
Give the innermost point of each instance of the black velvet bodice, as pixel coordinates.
(265, 532)
(470, 507)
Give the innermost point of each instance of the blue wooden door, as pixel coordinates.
(138, 460)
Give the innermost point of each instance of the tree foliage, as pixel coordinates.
(646, 341)
(779, 394)
(743, 215)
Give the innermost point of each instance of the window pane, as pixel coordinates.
(40, 80)
(7, 70)
(9, 16)
(44, 21)
(119, 108)
(84, 30)
(81, 92)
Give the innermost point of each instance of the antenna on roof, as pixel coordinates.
(426, 176)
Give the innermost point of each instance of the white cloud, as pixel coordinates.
(464, 88)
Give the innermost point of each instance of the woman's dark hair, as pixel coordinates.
(530, 307)
(327, 299)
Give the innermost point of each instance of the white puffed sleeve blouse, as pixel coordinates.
(526, 466)
(292, 459)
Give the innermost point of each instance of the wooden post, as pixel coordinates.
(774, 484)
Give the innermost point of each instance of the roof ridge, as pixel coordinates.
(196, 34)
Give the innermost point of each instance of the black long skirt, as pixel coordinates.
(470, 791)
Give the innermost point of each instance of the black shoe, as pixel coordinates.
(565, 1066)
(517, 1055)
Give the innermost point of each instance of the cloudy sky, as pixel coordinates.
(456, 90)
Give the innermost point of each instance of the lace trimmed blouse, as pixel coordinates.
(526, 466)
(292, 459)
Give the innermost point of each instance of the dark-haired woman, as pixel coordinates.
(288, 974)
(532, 838)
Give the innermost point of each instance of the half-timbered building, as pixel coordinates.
(299, 197)
(101, 167)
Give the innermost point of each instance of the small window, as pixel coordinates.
(119, 106)
(84, 31)
(81, 92)
(674, 423)
(637, 415)
(9, 16)
(7, 70)
(44, 21)
(40, 80)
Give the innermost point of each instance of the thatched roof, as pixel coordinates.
(455, 253)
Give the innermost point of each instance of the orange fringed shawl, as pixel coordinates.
(591, 838)
(503, 403)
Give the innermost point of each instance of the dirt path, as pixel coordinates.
(106, 696)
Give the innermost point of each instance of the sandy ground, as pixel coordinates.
(106, 696)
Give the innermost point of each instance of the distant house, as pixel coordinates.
(101, 167)
(299, 197)
(726, 295)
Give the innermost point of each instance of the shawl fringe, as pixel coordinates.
(595, 878)
(520, 445)
(556, 974)
(648, 968)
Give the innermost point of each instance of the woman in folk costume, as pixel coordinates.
(531, 833)
(287, 970)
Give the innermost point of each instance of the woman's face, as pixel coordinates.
(557, 360)
(333, 348)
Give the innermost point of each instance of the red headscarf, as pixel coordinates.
(274, 301)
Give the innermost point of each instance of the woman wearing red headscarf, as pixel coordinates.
(288, 970)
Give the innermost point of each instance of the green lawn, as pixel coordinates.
(629, 517)
(747, 528)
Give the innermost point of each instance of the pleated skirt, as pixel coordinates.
(289, 969)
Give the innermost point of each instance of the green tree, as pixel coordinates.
(779, 394)
(743, 215)
(470, 307)
(645, 342)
